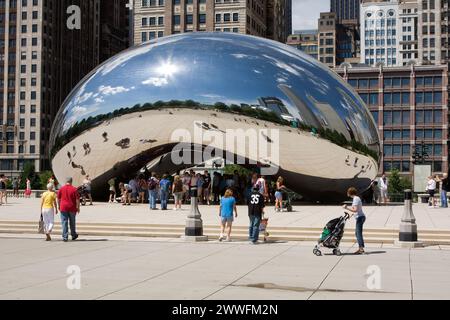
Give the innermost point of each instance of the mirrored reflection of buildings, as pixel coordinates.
(409, 105)
(41, 62)
(339, 40)
(264, 18)
(306, 41)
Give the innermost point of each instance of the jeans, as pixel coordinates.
(444, 203)
(164, 195)
(68, 218)
(152, 194)
(359, 231)
(253, 230)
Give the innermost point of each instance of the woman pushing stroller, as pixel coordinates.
(357, 211)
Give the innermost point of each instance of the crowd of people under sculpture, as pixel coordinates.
(153, 188)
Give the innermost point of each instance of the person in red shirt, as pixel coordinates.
(69, 205)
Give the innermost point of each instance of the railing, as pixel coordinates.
(21, 193)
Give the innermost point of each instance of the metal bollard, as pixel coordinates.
(194, 223)
(408, 228)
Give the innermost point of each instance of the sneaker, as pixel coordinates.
(359, 251)
(221, 238)
(48, 238)
(75, 238)
(65, 240)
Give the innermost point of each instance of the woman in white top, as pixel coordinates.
(356, 210)
(431, 189)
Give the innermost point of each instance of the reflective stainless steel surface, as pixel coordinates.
(198, 73)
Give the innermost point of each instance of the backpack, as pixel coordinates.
(178, 186)
(152, 184)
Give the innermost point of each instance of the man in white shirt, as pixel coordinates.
(431, 189)
(383, 185)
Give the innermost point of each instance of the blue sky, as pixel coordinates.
(305, 13)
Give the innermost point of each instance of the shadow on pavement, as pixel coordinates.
(352, 254)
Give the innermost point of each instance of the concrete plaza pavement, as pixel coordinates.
(316, 216)
(161, 268)
(129, 268)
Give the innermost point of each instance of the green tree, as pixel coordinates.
(29, 173)
(44, 176)
(397, 183)
(230, 168)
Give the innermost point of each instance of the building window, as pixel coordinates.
(202, 18)
(189, 19)
(176, 20)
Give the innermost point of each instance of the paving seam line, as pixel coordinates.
(252, 270)
(164, 272)
(86, 270)
(55, 258)
(329, 272)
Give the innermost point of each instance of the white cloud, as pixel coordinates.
(156, 82)
(108, 90)
(239, 55)
(84, 97)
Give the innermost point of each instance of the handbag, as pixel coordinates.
(41, 225)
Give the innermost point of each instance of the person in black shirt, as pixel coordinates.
(255, 213)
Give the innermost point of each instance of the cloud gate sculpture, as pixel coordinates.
(175, 102)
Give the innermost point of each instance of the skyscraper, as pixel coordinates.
(44, 53)
(345, 9)
(338, 42)
(114, 27)
(264, 18)
(433, 30)
(389, 32)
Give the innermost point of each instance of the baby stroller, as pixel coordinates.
(288, 197)
(332, 235)
(263, 229)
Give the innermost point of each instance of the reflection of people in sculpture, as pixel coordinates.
(124, 143)
(347, 161)
(105, 136)
(356, 162)
(74, 151)
(87, 148)
(69, 156)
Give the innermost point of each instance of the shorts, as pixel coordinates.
(227, 219)
(178, 196)
(279, 195)
(431, 192)
(112, 192)
(383, 194)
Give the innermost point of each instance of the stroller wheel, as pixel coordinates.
(317, 252)
(337, 252)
